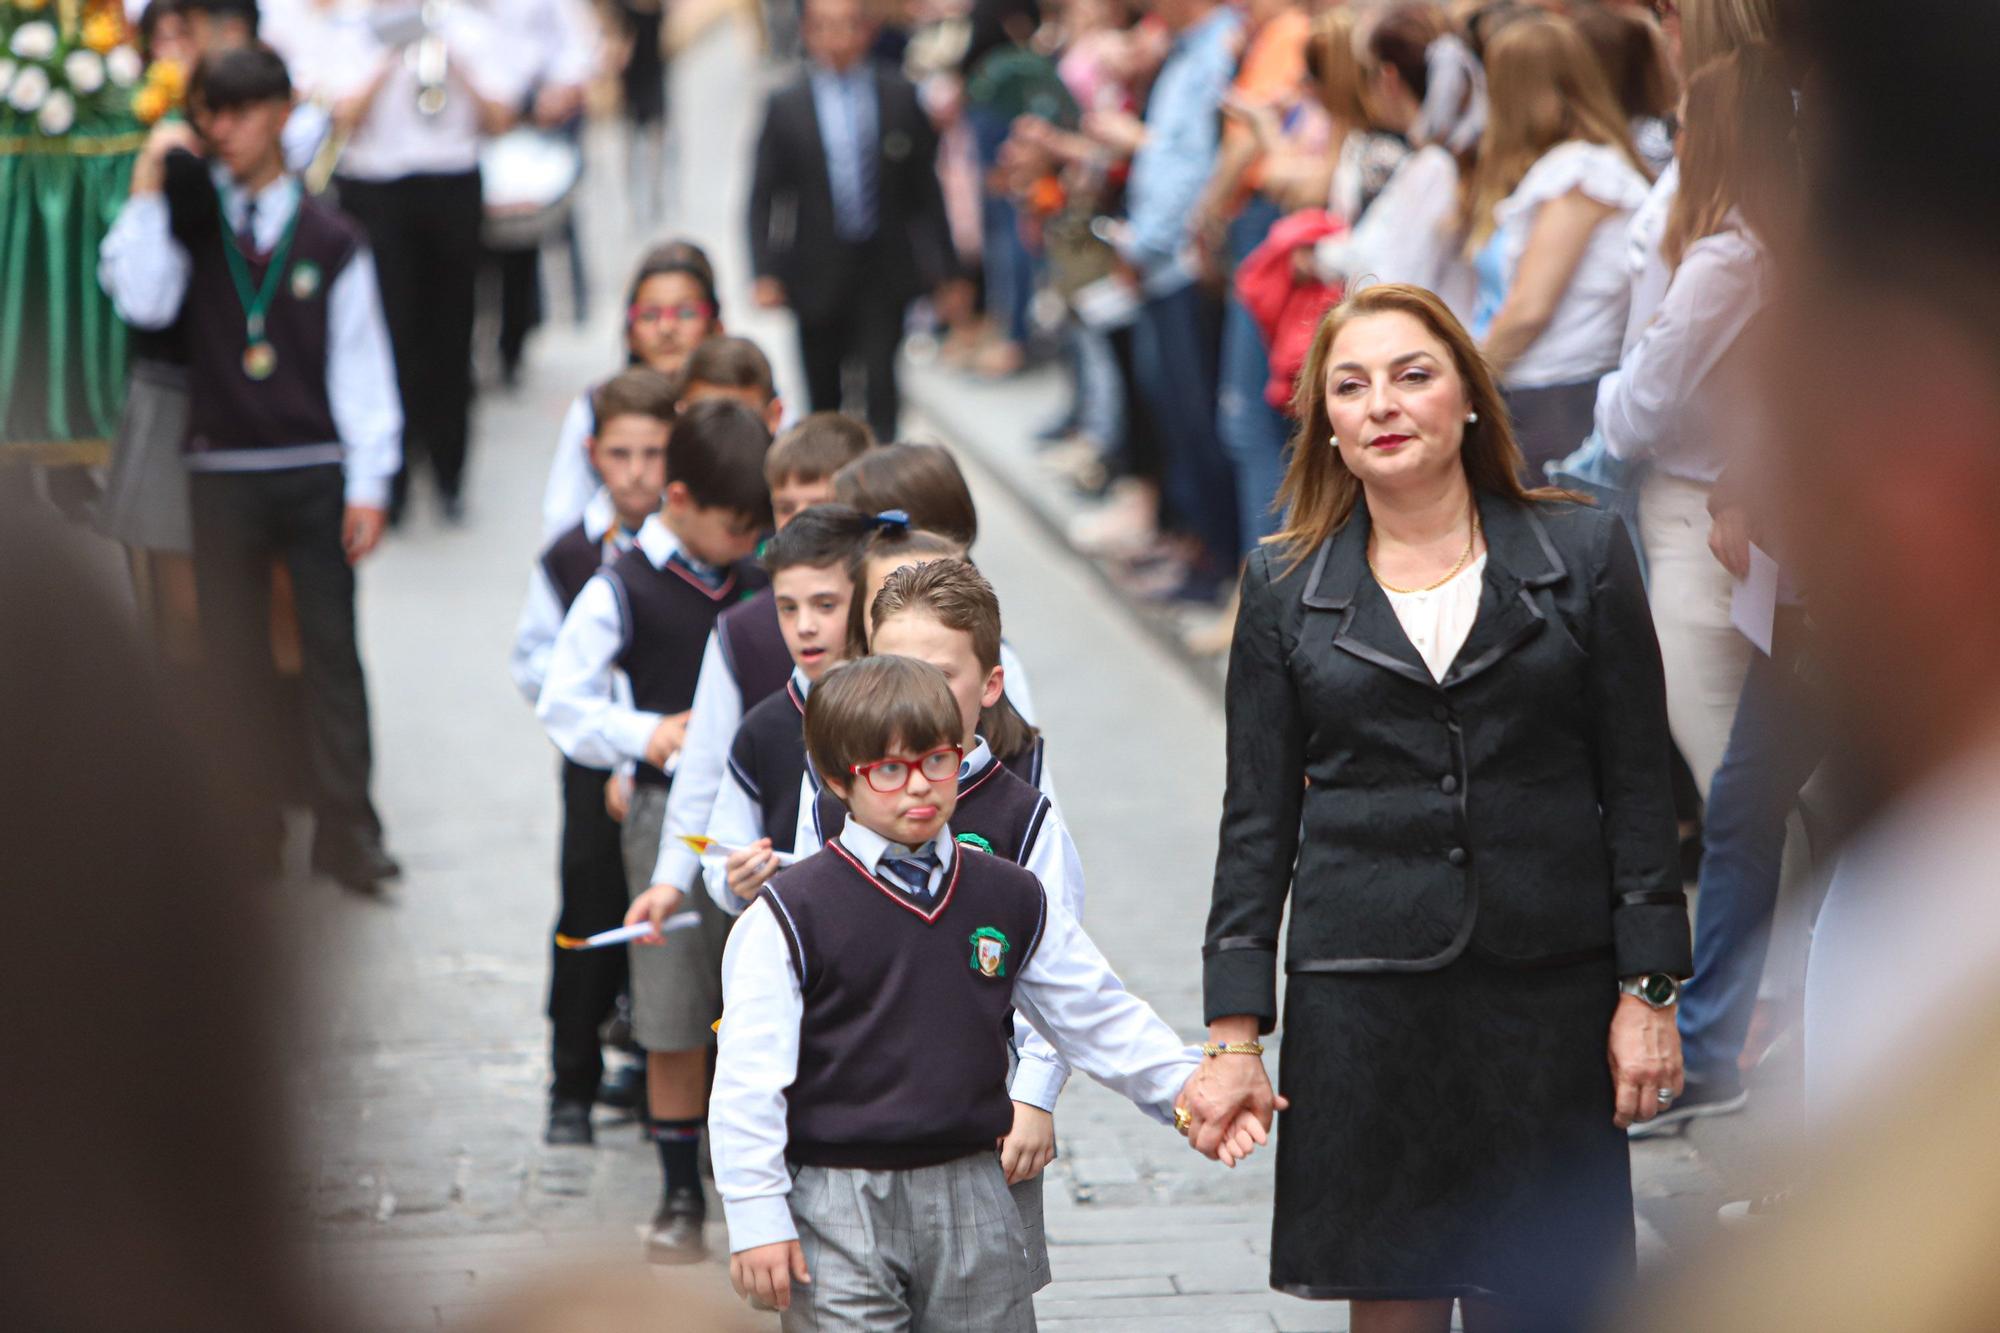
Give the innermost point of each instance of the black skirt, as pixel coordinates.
(1450, 1134)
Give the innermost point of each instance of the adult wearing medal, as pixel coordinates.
(294, 427)
(1447, 747)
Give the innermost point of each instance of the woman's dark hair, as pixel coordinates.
(922, 480)
(717, 452)
(860, 709)
(819, 537)
(1400, 39)
(729, 362)
(238, 77)
(994, 24)
(149, 22)
(1628, 49)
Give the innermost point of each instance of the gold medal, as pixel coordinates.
(259, 360)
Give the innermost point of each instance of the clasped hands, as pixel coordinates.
(1230, 1105)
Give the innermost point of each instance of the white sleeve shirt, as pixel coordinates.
(542, 610)
(572, 480)
(580, 704)
(1041, 1071)
(145, 272)
(714, 716)
(1067, 990)
(1664, 404)
(736, 821)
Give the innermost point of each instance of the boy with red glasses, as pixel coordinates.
(861, 1077)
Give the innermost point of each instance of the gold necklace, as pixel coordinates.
(1471, 540)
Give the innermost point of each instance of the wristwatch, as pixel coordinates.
(1656, 988)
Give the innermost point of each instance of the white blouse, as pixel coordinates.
(1439, 619)
(1409, 234)
(1587, 330)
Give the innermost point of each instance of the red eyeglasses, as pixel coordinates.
(891, 775)
(655, 314)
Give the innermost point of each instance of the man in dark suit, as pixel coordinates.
(847, 222)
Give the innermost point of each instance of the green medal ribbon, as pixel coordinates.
(259, 357)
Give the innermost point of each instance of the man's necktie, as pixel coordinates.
(913, 872)
(246, 236)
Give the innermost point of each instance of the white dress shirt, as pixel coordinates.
(737, 820)
(1409, 234)
(1645, 265)
(572, 479)
(394, 138)
(145, 270)
(542, 609)
(1438, 620)
(580, 704)
(1666, 403)
(1067, 991)
(717, 713)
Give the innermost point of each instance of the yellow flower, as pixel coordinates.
(169, 78)
(102, 31)
(149, 104)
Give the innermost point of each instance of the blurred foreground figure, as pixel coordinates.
(142, 1132)
(1886, 377)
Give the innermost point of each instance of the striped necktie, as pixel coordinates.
(709, 576)
(913, 872)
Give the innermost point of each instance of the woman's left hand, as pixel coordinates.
(1645, 1053)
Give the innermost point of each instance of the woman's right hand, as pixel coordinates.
(1228, 1096)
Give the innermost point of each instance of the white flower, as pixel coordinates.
(6, 75)
(34, 41)
(124, 66)
(85, 71)
(58, 113)
(31, 85)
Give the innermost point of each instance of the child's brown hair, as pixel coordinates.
(922, 480)
(861, 710)
(816, 448)
(958, 597)
(729, 362)
(891, 539)
(638, 392)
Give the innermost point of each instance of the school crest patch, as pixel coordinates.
(974, 840)
(305, 280)
(989, 952)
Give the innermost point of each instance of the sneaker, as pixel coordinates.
(1696, 1100)
(569, 1124)
(676, 1234)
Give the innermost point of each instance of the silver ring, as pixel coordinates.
(1665, 1096)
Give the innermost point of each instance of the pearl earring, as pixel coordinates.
(1472, 417)
(1333, 441)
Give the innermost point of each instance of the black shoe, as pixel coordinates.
(676, 1235)
(1696, 1100)
(361, 865)
(569, 1123)
(453, 506)
(623, 1088)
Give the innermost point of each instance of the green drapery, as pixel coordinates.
(62, 348)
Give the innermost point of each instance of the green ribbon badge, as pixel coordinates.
(974, 840)
(989, 952)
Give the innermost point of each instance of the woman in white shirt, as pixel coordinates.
(1410, 233)
(1671, 403)
(1545, 212)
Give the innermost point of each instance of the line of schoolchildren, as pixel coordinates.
(887, 932)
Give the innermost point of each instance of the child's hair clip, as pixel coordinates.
(894, 522)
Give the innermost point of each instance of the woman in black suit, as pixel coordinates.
(1448, 746)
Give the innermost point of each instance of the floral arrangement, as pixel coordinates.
(74, 66)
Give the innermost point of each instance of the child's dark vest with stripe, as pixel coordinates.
(755, 649)
(768, 757)
(903, 1038)
(1004, 813)
(668, 614)
(569, 562)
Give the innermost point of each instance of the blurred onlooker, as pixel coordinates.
(1545, 212)
(1631, 52)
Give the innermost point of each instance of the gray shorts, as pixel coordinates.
(676, 986)
(939, 1249)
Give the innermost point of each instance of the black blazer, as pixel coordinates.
(792, 235)
(1520, 809)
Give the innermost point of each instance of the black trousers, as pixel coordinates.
(242, 521)
(859, 335)
(520, 273)
(584, 985)
(425, 232)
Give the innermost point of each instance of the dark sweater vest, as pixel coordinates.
(768, 757)
(569, 562)
(229, 411)
(755, 649)
(668, 615)
(1027, 765)
(903, 1038)
(995, 806)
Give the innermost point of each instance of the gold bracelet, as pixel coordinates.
(1233, 1048)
